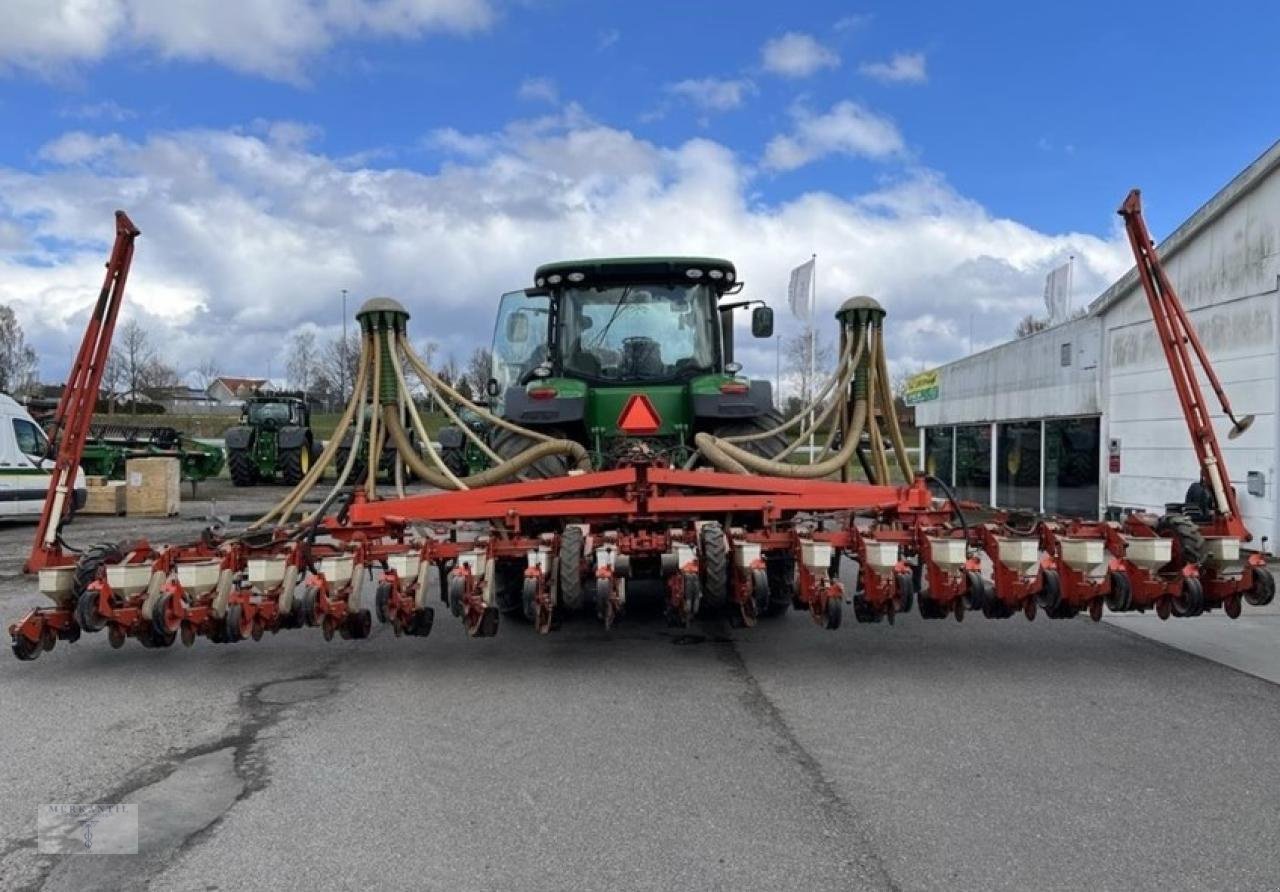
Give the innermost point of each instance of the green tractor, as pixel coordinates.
(632, 357)
(272, 441)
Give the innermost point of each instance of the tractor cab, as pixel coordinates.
(625, 349)
(274, 411)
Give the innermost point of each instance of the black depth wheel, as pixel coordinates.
(1263, 590)
(1120, 598)
(457, 591)
(570, 567)
(1189, 601)
(906, 593)
(1050, 594)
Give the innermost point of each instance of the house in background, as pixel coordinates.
(233, 390)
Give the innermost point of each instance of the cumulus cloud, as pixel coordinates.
(902, 68)
(275, 38)
(847, 129)
(797, 55)
(714, 94)
(245, 238)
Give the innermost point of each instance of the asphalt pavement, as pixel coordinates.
(925, 755)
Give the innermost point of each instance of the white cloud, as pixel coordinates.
(99, 111)
(541, 89)
(902, 68)
(853, 22)
(714, 94)
(797, 55)
(607, 38)
(274, 38)
(455, 142)
(245, 238)
(847, 129)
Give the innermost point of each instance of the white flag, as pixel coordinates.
(798, 293)
(1057, 294)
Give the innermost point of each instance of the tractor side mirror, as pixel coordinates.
(517, 328)
(491, 387)
(762, 322)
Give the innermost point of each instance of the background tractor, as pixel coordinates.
(273, 440)
(627, 356)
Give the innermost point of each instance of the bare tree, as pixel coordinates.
(1029, 325)
(301, 363)
(798, 349)
(448, 370)
(337, 365)
(17, 360)
(142, 368)
(207, 372)
(479, 370)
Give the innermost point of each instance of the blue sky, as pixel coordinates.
(943, 157)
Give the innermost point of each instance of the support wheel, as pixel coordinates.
(234, 623)
(529, 599)
(906, 593)
(570, 567)
(781, 571)
(1189, 601)
(87, 615)
(975, 590)
(25, 649)
(835, 612)
(380, 601)
(1120, 598)
(760, 592)
(508, 584)
(1050, 594)
(713, 567)
(360, 624)
(457, 591)
(1263, 589)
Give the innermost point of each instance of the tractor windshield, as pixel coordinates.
(269, 413)
(519, 338)
(637, 332)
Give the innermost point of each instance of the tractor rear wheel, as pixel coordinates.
(767, 447)
(240, 464)
(294, 464)
(357, 467)
(509, 444)
(1183, 530)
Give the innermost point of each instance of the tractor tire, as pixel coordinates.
(508, 444)
(1183, 530)
(357, 467)
(713, 565)
(508, 584)
(240, 464)
(294, 465)
(766, 448)
(570, 571)
(90, 561)
(781, 572)
(456, 461)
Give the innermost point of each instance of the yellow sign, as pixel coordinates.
(922, 388)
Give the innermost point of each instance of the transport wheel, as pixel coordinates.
(360, 624)
(1120, 598)
(421, 622)
(91, 560)
(1184, 531)
(1263, 589)
(257, 629)
(188, 633)
(528, 599)
(760, 591)
(457, 591)
(1231, 606)
(306, 600)
(508, 444)
(835, 611)
(71, 634)
(1164, 607)
(570, 561)
(240, 465)
(906, 593)
(1050, 594)
(48, 638)
(713, 567)
(508, 584)
(975, 590)
(929, 608)
(116, 636)
(603, 589)
(87, 614)
(1095, 610)
(380, 601)
(234, 623)
(25, 649)
(1189, 601)
(294, 464)
(781, 571)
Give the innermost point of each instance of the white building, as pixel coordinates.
(1083, 415)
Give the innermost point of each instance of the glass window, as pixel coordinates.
(1018, 466)
(938, 458)
(31, 440)
(269, 413)
(1071, 466)
(973, 463)
(638, 332)
(519, 338)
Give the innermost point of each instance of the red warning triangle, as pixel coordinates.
(639, 416)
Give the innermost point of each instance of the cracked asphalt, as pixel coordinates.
(928, 755)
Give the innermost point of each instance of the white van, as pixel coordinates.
(24, 473)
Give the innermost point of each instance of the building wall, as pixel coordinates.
(1023, 379)
(1228, 277)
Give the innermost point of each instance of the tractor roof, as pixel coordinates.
(624, 269)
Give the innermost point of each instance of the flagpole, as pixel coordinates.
(813, 347)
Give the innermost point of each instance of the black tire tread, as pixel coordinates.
(240, 464)
(714, 566)
(508, 444)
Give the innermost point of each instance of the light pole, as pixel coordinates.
(343, 352)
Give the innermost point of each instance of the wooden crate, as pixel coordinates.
(105, 497)
(153, 487)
